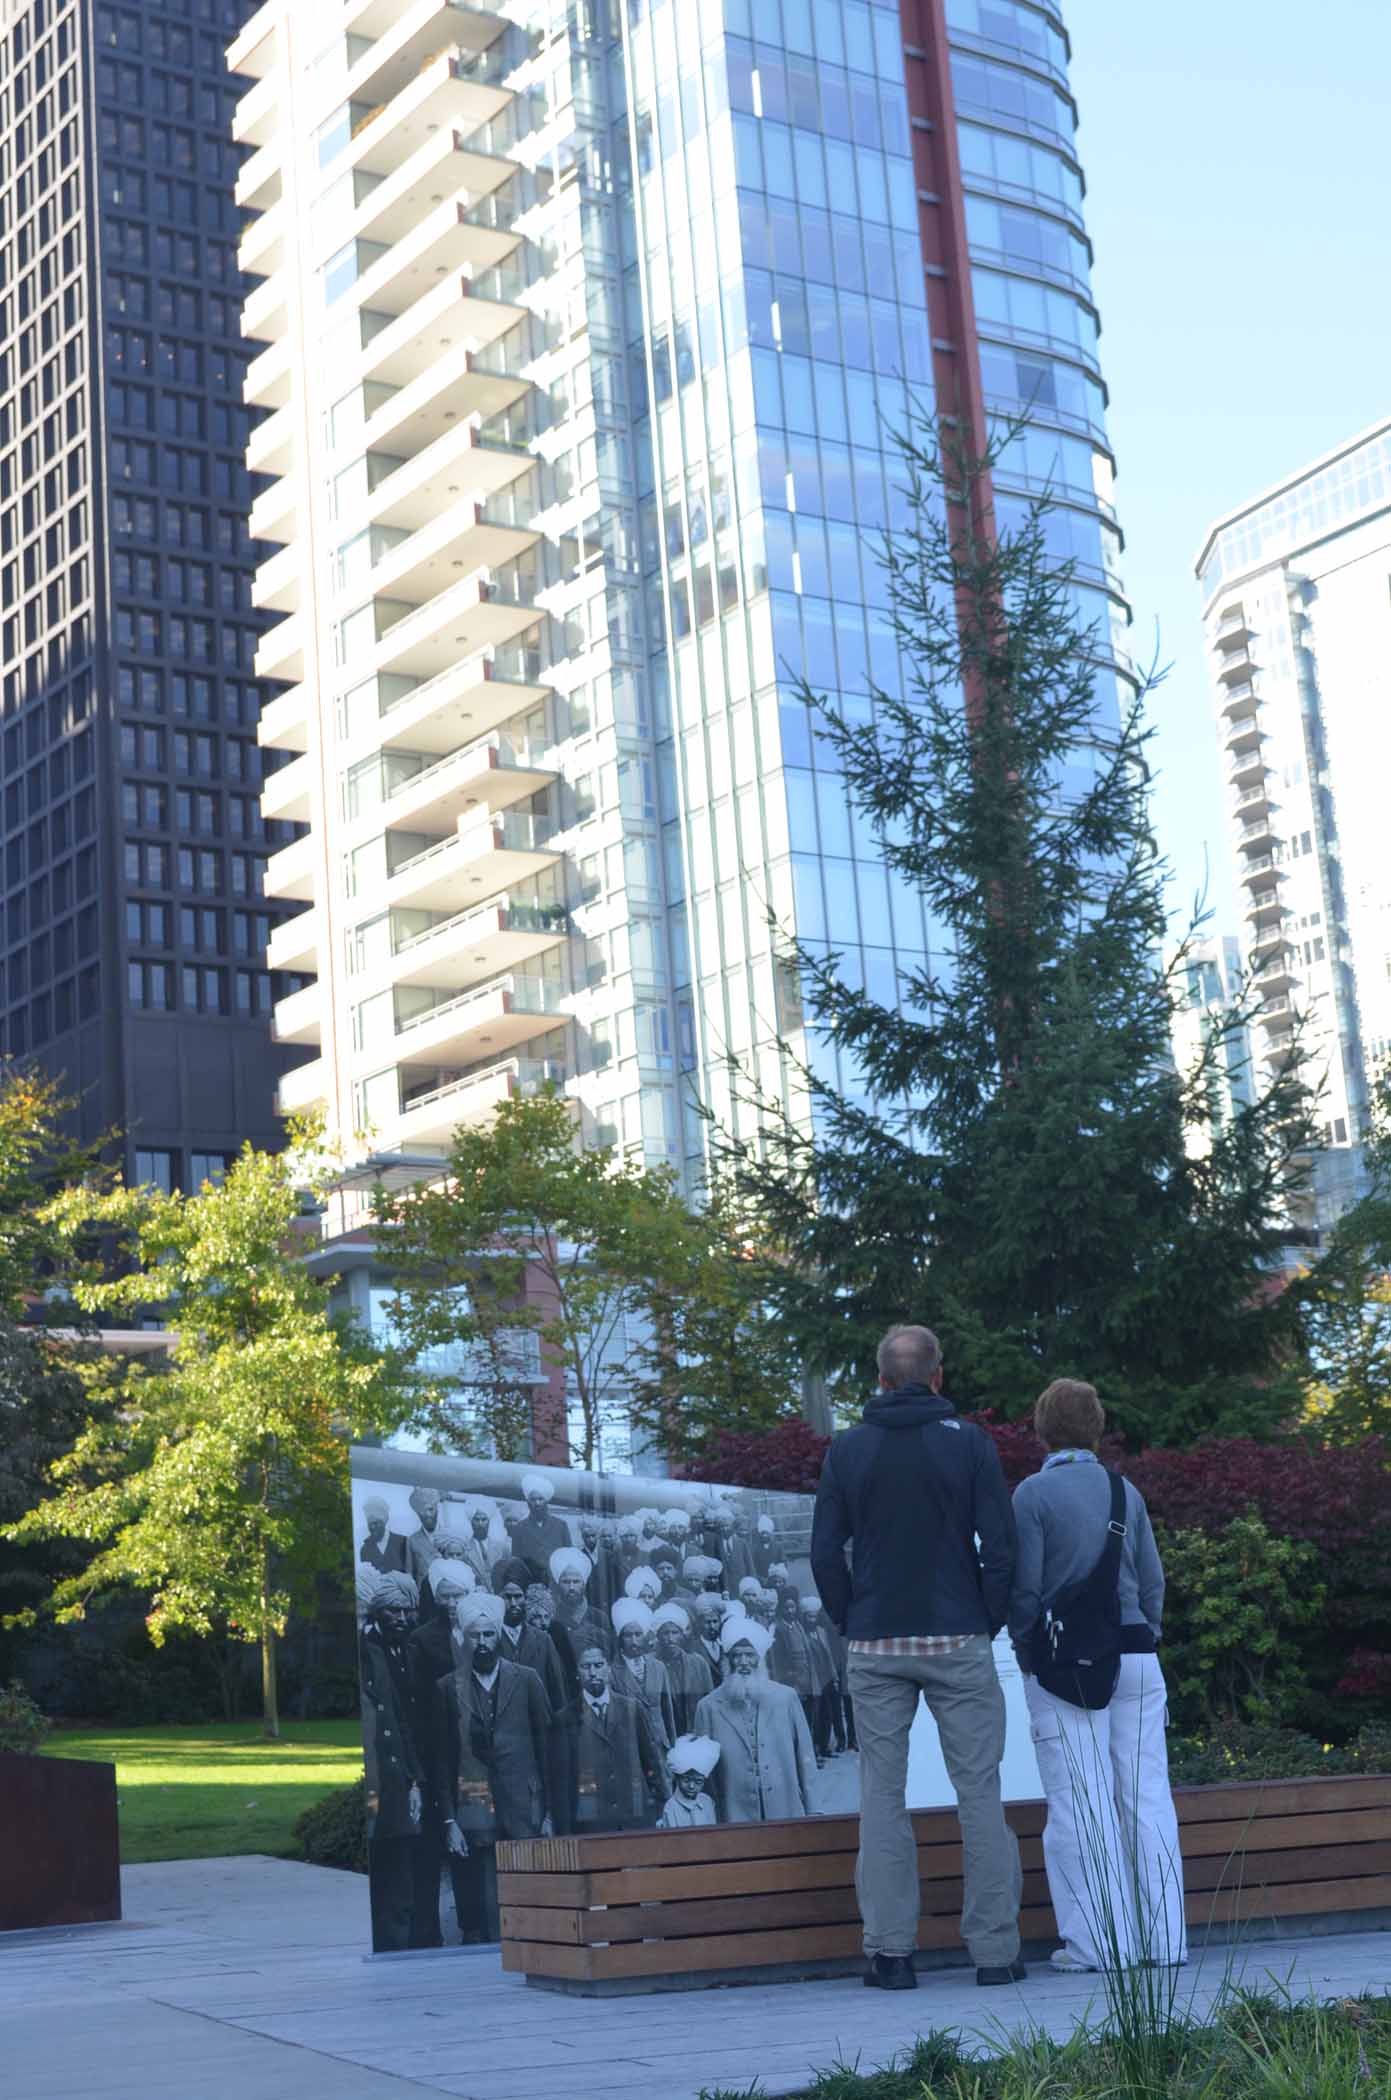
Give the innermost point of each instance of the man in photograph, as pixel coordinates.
(767, 1767)
(765, 1547)
(522, 1643)
(395, 1766)
(422, 1545)
(491, 1750)
(690, 1676)
(537, 1535)
(606, 1579)
(382, 1549)
(607, 1765)
(433, 1649)
(571, 1578)
(708, 1612)
(481, 1549)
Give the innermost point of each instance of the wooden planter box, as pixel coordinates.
(753, 1902)
(60, 1861)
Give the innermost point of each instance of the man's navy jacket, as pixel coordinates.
(911, 1488)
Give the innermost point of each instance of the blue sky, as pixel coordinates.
(1236, 160)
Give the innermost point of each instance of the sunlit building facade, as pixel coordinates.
(1296, 590)
(581, 335)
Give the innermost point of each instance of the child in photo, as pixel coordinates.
(690, 1761)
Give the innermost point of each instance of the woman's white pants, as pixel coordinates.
(1111, 1844)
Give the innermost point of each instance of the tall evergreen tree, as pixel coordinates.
(1011, 1155)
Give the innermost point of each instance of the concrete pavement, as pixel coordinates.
(246, 1979)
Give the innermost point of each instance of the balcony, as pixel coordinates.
(254, 48)
(1279, 975)
(1244, 732)
(1253, 801)
(465, 701)
(1277, 1015)
(306, 1087)
(443, 166)
(276, 514)
(1263, 872)
(270, 449)
(1270, 936)
(260, 182)
(465, 619)
(432, 1117)
(478, 943)
(284, 723)
(460, 467)
(281, 650)
(408, 38)
(277, 584)
(1259, 836)
(290, 872)
(263, 248)
(1248, 768)
(298, 1018)
(254, 118)
(448, 240)
(459, 387)
(1233, 627)
(485, 856)
(449, 94)
(294, 944)
(1239, 700)
(288, 792)
(451, 316)
(461, 541)
(491, 774)
(265, 316)
(479, 1023)
(1236, 667)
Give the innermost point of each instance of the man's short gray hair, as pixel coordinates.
(909, 1356)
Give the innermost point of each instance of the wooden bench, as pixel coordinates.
(659, 1910)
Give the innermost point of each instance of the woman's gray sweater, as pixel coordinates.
(1060, 1517)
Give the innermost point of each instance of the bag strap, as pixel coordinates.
(1109, 1566)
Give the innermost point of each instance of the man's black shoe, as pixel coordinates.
(890, 1972)
(1015, 1973)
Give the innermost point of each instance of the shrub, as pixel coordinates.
(22, 1725)
(1253, 1753)
(786, 1459)
(333, 1832)
(1235, 1598)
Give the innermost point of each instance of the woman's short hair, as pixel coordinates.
(1069, 1416)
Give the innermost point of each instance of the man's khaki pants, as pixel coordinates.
(964, 1698)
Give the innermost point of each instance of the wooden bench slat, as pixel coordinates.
(1246, 1798)
(602, 1851)
(1282, 1833)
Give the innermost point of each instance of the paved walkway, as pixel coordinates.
(245, 1979)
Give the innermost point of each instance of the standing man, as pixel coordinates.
(709, 1611)
(690, 1676)
(522, 1643)
(395, 1767)
(481, 1551)
(767, 1768)
(491, 1761)
(607, 1765)
(382, 1549)
(537, 1535)
(911, 1488)
(571, 1576)
(422, 1546)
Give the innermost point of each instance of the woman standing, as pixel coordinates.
(1111, 1844)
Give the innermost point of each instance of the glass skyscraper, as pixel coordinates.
(1297, 610)
(581, 335)
(132, 922)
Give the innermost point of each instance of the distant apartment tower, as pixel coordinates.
(580, 331)
(131, 900)
(1211, 988)
(1296, 590)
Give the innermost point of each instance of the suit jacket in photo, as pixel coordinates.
(648, 1683)
(434, 1649)
(691, 1679)
(790, 1658)
(608, 1771)
(736, 1557)
(389, 1558)
(391, 1747)
(538, 1652)
(767, 1763)
(823, 1663)
(491, 1753)
(483, 1556)
(421, 1551)
(606, 1580)
(535, 1543)
(765, 1552)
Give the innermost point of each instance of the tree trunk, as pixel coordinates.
(270, 1697)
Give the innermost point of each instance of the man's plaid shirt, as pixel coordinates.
(914, 1644)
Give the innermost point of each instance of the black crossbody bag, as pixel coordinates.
(1076, 1646)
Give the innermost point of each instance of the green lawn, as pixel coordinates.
(193, 1793)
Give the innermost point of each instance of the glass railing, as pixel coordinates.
(518, 751)
(527, 995)
(515, 918)
(529, 1075)
(512, 833)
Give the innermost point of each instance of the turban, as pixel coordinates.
(739, 1629)
(368, 1583)
(778, 1571)
(694, 1753)
(511, 1571)
(642, 1582)
(675, 1520)
(377, 1506)
(671, 1615)
(537, 1484)
(449, 1544)
(766, 1524)
(478, 1611)
(568, 1560)
(631, 1611)
(450, 1578)
(694, 1566)
(628, 1527)
(422, 1499)
(750, 1586)
(402, 1591)
(537, 1594)
(811, 1604)
(651, 1517)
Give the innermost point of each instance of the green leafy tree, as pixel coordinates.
(527, 1242)
(1235, 1602)
(1345, 1306)
(1009, 1154)
(219, 1488)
